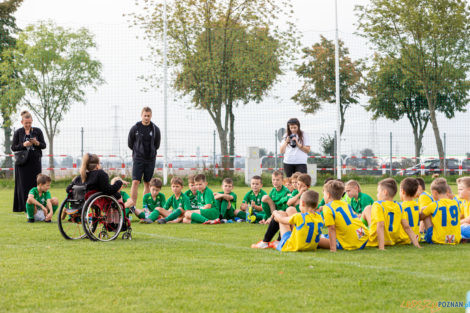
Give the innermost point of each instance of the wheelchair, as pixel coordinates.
(92, 215)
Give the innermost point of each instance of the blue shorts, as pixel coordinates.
(284, 238)
(338, 245)
(428, 235)
(141, 168)
(465, 229)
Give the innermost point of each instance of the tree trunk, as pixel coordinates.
(8, 162)
(435, 127)
(223, 145)
(51, 156)
(417, 142)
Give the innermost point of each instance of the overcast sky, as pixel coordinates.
(115, 107)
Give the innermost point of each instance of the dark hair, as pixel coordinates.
(294, 121)
(177, 181)
(200, 177)
(421, 182)
(410, 186)
(156, 182)
(278, 173)
(335, 189)
(191, 179)
(328, 179)
(89, 163)
(228, 181)
(42, 179)
(390, 185)
(310, 197)
(257, 178)
(305, 178)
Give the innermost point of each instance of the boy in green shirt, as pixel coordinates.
(278, 196)
(174, 208)
(254, 199)
(207, 212)
(226, 202)
(359, 200)
(39, 205)
(152, 201)
(192, 192)
(126, 199)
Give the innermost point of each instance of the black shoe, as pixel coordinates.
(147, 221)
(30, 220)
(132, 209)
(161, 221)
(49, 221)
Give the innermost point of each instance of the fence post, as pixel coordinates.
(215, 162)
(391, 156)
(334, 155)
(445, 154)
(275, 149)
(82, 131)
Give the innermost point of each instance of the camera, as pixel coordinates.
(292, 142)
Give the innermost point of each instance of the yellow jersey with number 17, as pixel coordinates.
(410, 213)
(445, 217)
(351, 233)
(390, 213)
(305, 233)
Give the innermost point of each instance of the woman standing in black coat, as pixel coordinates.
(31, 139)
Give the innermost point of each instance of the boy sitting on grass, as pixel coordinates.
(207, 212)
(226, 202)
(277, 199)
(174, 208)
(463, 185)
(408, 191)
(386, 218)
(191, 193)
(253, 199)
(442, 216)
(152, 201)
(39, 205)
(345, 229)
(301, 231)
(126, 199)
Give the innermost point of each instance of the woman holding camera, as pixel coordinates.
(27, 143)
(295, 148)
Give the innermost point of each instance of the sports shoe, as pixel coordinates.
(229, 221)
(216, 221)
(273, 244)
(147, 221)
(30, 220)
(132, 209)
(49, 221)
(260, 245)
(239, 220)
(223, 221)
(161, 221)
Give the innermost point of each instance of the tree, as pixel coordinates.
(10, 94)
(318, 74)
(432, 40)
(223, 53)
(55, 68)
(327, 144)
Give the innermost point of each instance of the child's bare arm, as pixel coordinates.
(35, 202)
(380, 235)
(332, 237)
(411, 234)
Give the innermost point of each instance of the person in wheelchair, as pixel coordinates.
(95, 179)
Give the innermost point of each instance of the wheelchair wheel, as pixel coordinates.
(102, 217)
(70, 225)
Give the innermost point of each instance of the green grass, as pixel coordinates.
(204, 268)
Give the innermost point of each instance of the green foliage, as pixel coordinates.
(55, 69)
(432, 41)
(223, 53)
(318, 74)
(327, 144)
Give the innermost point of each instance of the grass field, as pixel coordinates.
(211, 268)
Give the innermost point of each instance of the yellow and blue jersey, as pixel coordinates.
(424, 200)
(389, 212)
(445, 217)
(410, 213)
(350, 231)
(305, 233)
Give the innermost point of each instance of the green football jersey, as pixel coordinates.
(150, 204)
(181, 203)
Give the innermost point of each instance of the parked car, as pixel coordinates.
(431, 167)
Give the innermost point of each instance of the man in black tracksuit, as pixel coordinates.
(144, 141)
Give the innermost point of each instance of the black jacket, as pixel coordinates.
(136, 144)
(99, 181)
(19, 138)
